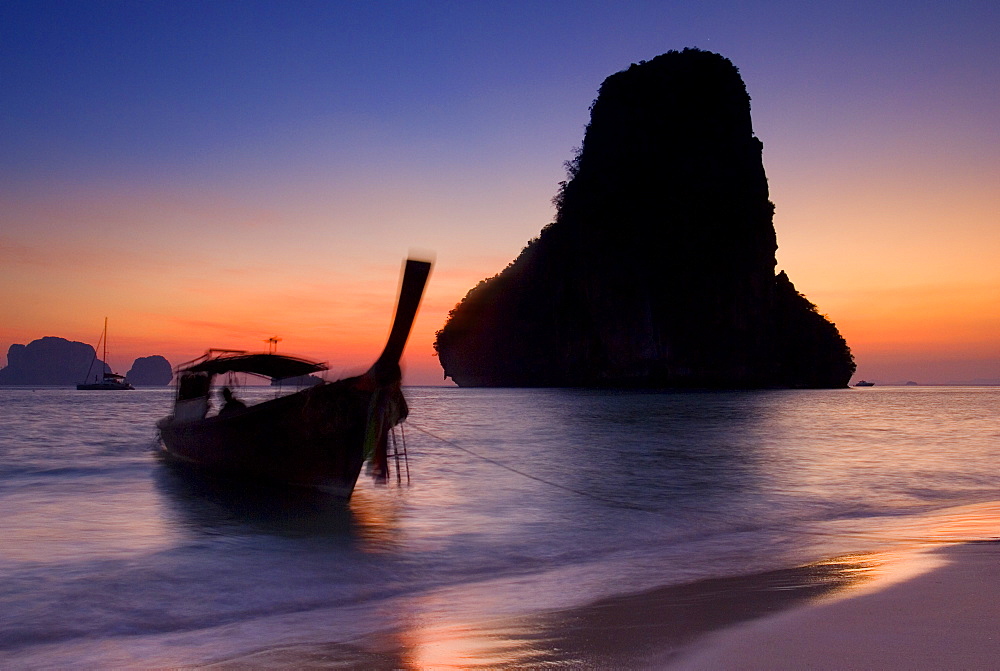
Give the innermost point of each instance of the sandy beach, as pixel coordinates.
(927, 600)
(930, 608)
(924, 608)
(922, 596)
(944, 618)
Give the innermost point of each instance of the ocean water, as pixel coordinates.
(517, 503)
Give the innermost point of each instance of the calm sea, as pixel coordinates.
(517, 502)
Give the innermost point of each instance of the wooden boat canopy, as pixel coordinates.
(275, 366)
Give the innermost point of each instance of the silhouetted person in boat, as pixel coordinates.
(233, 404)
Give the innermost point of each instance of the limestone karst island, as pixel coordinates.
(60, 362)
(659, 269)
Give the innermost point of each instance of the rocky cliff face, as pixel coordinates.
(150, 371)
(57, 361)
(659, 268)
(50, 361)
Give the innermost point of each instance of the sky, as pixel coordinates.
(214, 173)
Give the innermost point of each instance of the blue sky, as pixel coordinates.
(157, 86)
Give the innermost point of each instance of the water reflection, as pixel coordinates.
(617, 632)
(315, 656)
(627, 630)
(666, 445)
(586, 458)
(212, 504)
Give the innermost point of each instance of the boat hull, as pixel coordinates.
(317, 437)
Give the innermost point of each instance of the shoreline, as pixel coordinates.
(622, 631)
(924, 596)
(940, 618)
(916, 608)
(682, 626)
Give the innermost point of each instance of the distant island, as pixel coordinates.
(57, 361)
(659, 269)
(150, 371)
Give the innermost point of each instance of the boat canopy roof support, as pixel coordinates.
(275, 366)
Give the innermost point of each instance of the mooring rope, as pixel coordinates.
(631, 506)
(578, 492)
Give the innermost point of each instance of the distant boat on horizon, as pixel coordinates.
(864, 383)
(109, 381)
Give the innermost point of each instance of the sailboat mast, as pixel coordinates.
(104, 358)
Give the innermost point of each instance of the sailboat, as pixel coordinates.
(318, 437)
(108, 381)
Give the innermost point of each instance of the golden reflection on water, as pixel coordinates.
(911, 539)
(874, 571)
(960, 524)
(616, 630)
(376, 519)
(905, 545)
(462, 646)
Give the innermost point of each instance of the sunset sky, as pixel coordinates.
(213, 173)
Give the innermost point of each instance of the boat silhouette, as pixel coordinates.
(316, 437)
(108, 381)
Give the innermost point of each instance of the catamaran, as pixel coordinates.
(107, 380)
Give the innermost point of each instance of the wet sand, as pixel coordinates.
(645, 630)
(932, 605)
(945, 618)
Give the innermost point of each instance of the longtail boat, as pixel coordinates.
(318, 437)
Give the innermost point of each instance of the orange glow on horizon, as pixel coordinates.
(345, 321)
(906, 293)
(341, 320)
